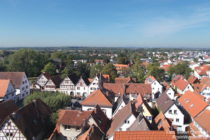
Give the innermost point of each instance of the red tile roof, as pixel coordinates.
(144, 135)
(15, 77)
(123, 80)
(3, 87)
(162, 123)
(202, 70)
(193, 103)
(180, 84)
(130, 88)
(73, 117)
(192, 79)
(97, 98)
(202, 120)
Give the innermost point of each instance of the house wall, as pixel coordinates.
(70, 133)
(106, 110)
(127, 123)
(122, 104)
(81, 88)
(10, 93)
(177, 116)
(156, 87)
(24, 89)
(94, 85)
(67, 87)
(171, 94)
(50, 86)
(42, 80)
(147, 113)
(9, 131)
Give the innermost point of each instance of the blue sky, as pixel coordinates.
(143, 23)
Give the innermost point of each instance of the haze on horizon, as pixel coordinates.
(149, 23)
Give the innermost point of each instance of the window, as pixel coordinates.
(78, 88)
(170, 111)
(67, 127)
(175, 111)
(177, 120)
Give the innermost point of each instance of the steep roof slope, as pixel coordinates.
(97, 98)
(193, 103)
(15, 77)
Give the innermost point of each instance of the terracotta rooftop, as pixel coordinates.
(202, 120)
(180, 84)
(123, 80)
(15, 77)
(193, 103)
(192, 79)
(74, 118)
(162, 123)
(144, 135)
(97, 98)
(3, 87)
(202, 70)
(130, 88)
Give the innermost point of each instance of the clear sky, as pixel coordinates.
(143, 23)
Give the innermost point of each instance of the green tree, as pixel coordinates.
(49, 68)
(154, 70)
(137, 71)
(111, 70)
(122, 59)
(180, 69)
(68, 70)
(82, 70)
(95, 69)
(27, 60)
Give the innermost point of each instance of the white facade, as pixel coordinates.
(94, 85)
(106, 110)
(67, 86)
(50, 86)
(41, 81)
(82, 88)
(9, 131)
(24, 89)
(120, 106)
(177, 117)
(171, 93)
(156, 87)
(126, 124)
(188, 87)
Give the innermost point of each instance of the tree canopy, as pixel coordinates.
(180, 69)
(111, 70)
(27, 60)
(49, 68)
